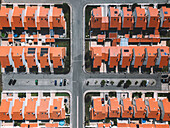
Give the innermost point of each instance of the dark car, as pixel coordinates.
(36, 82)
(10, 82)
(164, 76)
(106, 97)
(14, 81)
(64, 82)
(55, 82)
(102, 100)
(61, 82)
(164, 81)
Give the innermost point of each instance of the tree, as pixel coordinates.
(120, 83)
(111, 82)
(136, 82)
(127, 84)
(143, 83)
(103, 82)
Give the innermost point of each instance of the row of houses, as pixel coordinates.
(132, 125)
(150, 108)
(135, 56)
(115, 17)
(30, 57)
(32, 109)
(32, 17)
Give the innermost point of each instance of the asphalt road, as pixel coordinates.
(77, 76)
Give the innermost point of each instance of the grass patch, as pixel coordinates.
(66, 68)
(87, 57)
(21, 95)
(46, 94)
(149, 94)
(137, 95)
(62, 94)
(34, 94)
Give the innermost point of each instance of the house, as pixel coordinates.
(57, 110)
(126, 56)
(114, 57)
(139, 18)
(43, 109)
(5, 17)
(104, 125)
(98, 111)
(153, 110)
(51, 125)
(126, 108)
(114, 18)
(18, 109)
(153, 20)
(138, 56)
(30, 109)
(29, 125)
(56, 18)
(150, 56)
(29, 17)
(114, 108)
(42, 18)
(16, 20)
(57, 56)
(139, 108)
(165, 109)
(5, 109)
(127, 18)
(164, 17)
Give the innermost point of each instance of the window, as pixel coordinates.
(153, 18)
(28, 113)
(42, 113)
(28, 18)
(4, 113)
(114, 19)
(127, 18)
(140, 18)
(55, 107)
(41, 18)
(97, 19)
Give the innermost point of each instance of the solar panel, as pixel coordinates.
(44, 51)
(31, 50)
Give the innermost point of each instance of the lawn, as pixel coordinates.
(62, 94)
(34, 94)
(87, 57)
(149, 94)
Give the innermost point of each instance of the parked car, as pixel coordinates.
(14, 81)
(55, 82)
(10, 82)
(36, 82)
(64, 82)
(102, 100)
(106, 97)
(164, 76)
(61, 82)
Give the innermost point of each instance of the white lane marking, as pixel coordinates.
(77, 112)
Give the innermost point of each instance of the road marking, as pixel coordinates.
(77, 111)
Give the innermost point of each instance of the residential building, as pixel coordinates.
(114, 18)
(57, 111)
(5, 17)
(42, 18)
(5, 109)
(18, 109)
(98, 111)
(127, 18)
(126, 108)
(29, 125)
(139, 108)
(43, 109)
(139, 18)
(114, 108)
(16, 20)
(30, 109)
(114, 57)
(51, 125)
(153, 110)
(104, 125)
(165, 109)
(29, 17)
(164, 17)
(153, 20)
